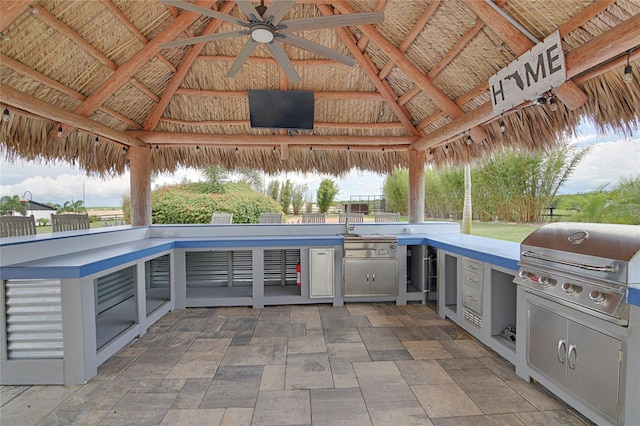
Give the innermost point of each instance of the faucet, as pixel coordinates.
(348, 226)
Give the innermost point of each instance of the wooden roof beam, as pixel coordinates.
(127, 70)
(265, 60)
(600, 50)
(430, 89)
(156, 112)
(35, 75)
(332, 125)
(569, 93)
(202, 139)
(135, 31)
(413, 34)
(365, 96)
(364, 40)
(54, 23)
(371, 71)
(10, 10)
(38, 107)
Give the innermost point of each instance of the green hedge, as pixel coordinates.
(174, 204)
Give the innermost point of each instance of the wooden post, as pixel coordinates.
(140, 183)
(416, 185)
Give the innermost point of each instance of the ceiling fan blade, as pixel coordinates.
(304, 24)
(276, 11)
(249, 10)
(204, 39)
(242, 57)
(316, 48)
(282, 59)
(206, 12)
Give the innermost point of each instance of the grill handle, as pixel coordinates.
(533, 255)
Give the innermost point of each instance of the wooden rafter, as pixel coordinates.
(131, 67)
(40, 108)
(362, 43)
(54, 23)
(413, 34)
(430, 89)
(331, 125)
(35, 75)
(10, 10)
(135, 31)
(363, 96)
(201, 139)
(156, 112)
(371, 71)
(598, 51)
(569, 93)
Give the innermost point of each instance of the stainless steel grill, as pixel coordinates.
(586, 266)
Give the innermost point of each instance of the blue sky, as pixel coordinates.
(612, 157)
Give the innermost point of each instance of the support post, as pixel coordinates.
(416, 185)
(140, 183)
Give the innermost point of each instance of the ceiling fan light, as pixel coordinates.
(262, 35)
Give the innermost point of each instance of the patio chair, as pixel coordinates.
(270, 217)
(353, 217)
(15, 226)
(313, 218)
(221, 218)
(69, 221)
(386, 217)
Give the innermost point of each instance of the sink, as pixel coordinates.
(350, 235)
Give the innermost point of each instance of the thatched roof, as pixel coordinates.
(97, 70)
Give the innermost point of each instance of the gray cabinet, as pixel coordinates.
(581, 360)
(370, 277)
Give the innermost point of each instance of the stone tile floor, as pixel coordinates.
(362, 364)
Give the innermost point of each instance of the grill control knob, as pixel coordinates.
(524, 274)
(597, 296)
(569, 288)
(546, 281)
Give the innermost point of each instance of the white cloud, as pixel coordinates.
(606, 163)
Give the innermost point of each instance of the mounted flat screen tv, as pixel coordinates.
(281, 109)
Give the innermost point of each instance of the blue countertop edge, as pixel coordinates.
(502, 253)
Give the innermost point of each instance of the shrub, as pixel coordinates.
(177, 205)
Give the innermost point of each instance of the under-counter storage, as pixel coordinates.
(212, 275)
(280, 277)
(579, 359)
(157, 282)
(115, 304)
(472, 290)
(321, 266)
(370, 277)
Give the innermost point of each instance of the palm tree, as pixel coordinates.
(11, 204)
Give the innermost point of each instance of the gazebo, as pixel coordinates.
(101, 84)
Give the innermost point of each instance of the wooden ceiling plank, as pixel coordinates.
(372, 73)
(332, 125)
(366, 96)
(570, 95)
(600, 50)
(135, 31)
(151, 121)
(202, 139)
(413, 34)
(127, 70)
(38, 107)
(413, 72)
(10, 10)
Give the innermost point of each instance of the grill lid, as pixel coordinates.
(611, 241)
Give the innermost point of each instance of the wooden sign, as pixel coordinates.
(535, 72)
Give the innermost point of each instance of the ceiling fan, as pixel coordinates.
(265, 26)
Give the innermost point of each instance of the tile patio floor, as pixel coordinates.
(361, 364)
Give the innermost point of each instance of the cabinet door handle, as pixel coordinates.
(374, 277)
(367, 277)
(571, 360)
(562, 351)
(471, 298)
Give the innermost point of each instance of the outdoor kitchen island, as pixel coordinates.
(102, 288)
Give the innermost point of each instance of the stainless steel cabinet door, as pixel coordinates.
(356, 277)
(384, 277)
(593, 373)
(547, 343)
